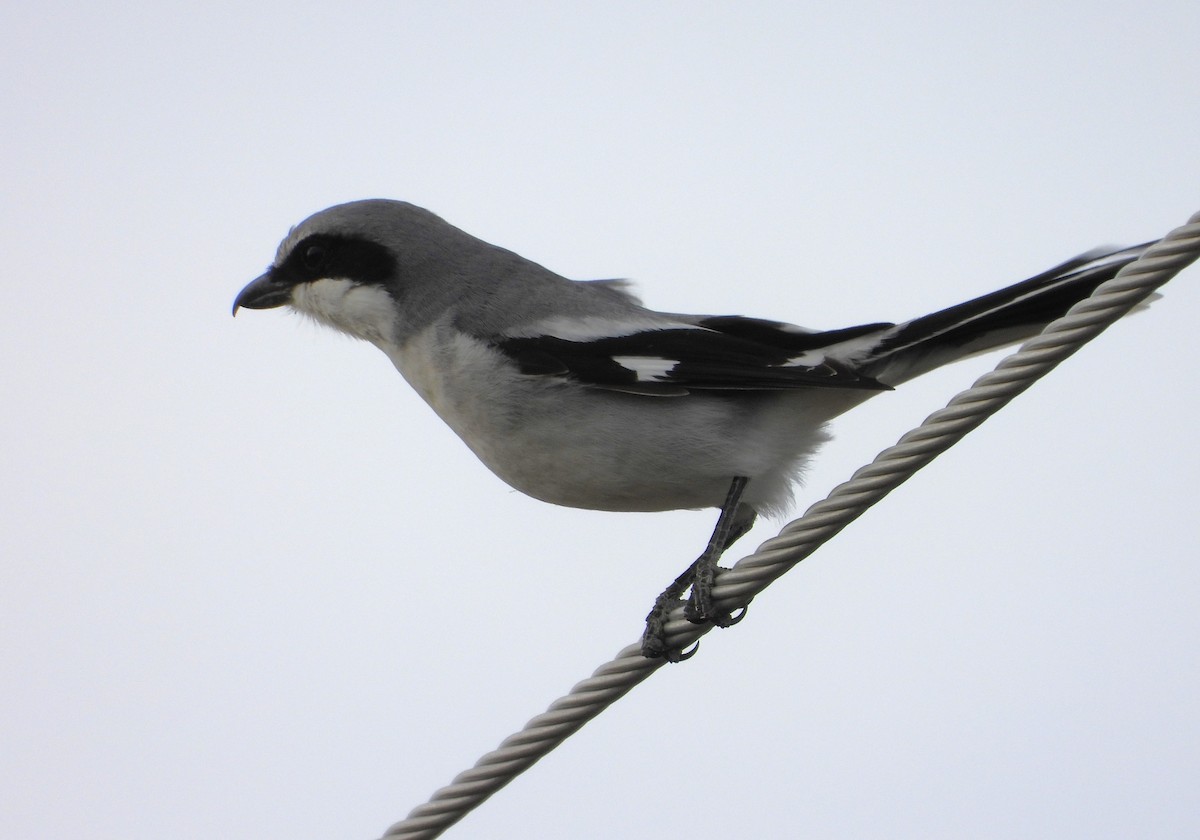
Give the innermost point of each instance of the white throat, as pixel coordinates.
(366, 312)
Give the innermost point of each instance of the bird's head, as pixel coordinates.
(350, 266)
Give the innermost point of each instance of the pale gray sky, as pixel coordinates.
(252, 588)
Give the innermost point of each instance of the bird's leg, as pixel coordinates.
(700, 575)
(731, 525)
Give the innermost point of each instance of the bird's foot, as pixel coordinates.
(654, 637)
(701, 608)
(698, 609)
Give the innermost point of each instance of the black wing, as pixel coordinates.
(716, 354)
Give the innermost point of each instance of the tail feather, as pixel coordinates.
(992, 321)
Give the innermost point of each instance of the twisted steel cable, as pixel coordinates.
(800, 538)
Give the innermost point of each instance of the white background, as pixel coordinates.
(252, 588)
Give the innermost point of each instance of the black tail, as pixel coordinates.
(992, 321)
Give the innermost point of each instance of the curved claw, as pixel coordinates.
(730, 619)
(736, 617)
(682, 654)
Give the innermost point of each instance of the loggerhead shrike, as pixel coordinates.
(572, 392)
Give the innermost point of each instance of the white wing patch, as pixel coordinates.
(594, 328)
(809, 358)
(648, 368)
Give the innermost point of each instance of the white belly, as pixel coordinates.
(603, 450)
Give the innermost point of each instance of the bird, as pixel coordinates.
(574, 393)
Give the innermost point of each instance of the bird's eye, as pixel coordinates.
(314, 256)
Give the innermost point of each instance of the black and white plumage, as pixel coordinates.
(574, 393)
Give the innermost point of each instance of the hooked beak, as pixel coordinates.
(263, 292)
